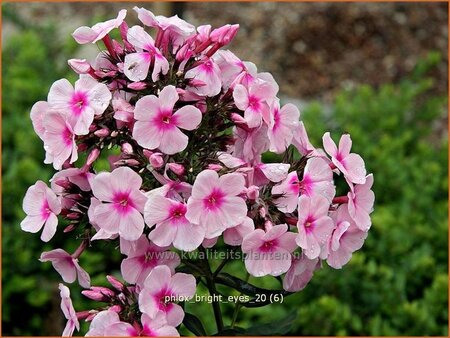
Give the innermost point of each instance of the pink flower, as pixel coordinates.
(158, 127)
(254, 102)
(151, 327)
(208, 74)
(66, 266)
(123, 202)
(346, 239)
(288, 192)
(143, 256)
(215, 203)
(317, 180)
(350, 164)
(314, 225)
(235, 235)
(81, 103)
(230, 66)
(41, 206)
(59, 140)
(300, 273)
(160, 291)
(71, 176)
(137, 64)
(171, 224)
(301, 141)
(37, 114)
(69, 312)
(102, 321)
(172, 30)
(282, 124)
(84, 34)
(360, 203)
(250, 144)
(268, 253)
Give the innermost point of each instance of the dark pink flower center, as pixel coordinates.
(269, 246)
(45, 210)
(207, 67)
(214, 200)
(305, 186)
(122, 202)
(254, 102)
(309, 223)
(78, 102)
(276, 119)
(147, 332)
(67, 136)
(150, 258)
(294, 185)
(164, 299)
(177, 213)
(164, 120)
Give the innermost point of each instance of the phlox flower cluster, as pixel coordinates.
(184, 125)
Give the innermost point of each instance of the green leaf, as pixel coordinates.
(194, 324)
(278, 328)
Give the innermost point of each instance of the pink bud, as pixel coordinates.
(147, 153)
(253, 192)
(223, 35)
(116, 308)
(114, 133)
(137, 85)
(129, 162)
(123, 31)
(268, 225)
(115, 282)
(126, 148)
(92, 157)
(262, 212)
(69, 228)
(238, 119)
(103, 290)
(156, 160)
(92, 315)
(181, 91)
(102, 132)
(64, 183)
(176, 168)
(73, 215)
(117, 47)
(95, 295)
(215, 167)
(79, 66)
(83, 314)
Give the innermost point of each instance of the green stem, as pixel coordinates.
(237, 307)
(213, 292)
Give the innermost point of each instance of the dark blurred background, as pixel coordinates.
(376, 70)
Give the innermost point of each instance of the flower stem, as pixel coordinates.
(237, 307)
(213, 292)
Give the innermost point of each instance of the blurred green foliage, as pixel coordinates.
(396, 285)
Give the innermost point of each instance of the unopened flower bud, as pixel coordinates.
(103, 290)
(118, 285)
(178, 169)
(215, 167)
(253, 192)
(64, 183)
(137, 85)
(92, 314)
(102, 132)
(268, 225)
(69, 228)
(262, 212)
(114, 133)
(95, 295)
(147, 153)
(116, 308)
(156, 160)
(79, 66)
(82, 147)
(238, 119)
(73, 215)
(92, 157)
(83, 314)
(126, 148)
